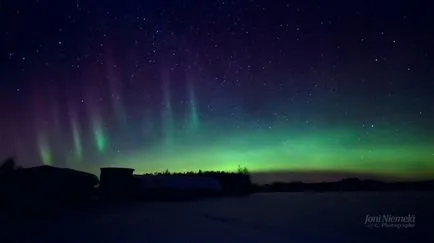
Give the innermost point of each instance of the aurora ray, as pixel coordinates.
(115, 89)
(78, 148)
(194, 113)
(100, 138)
(167, 112)
(45, 153)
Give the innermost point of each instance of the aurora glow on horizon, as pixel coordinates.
(155, 87)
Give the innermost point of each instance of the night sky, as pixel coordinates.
(319, 87)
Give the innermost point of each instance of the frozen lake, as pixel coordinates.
(274, 217)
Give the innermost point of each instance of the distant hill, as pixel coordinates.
(349, 184)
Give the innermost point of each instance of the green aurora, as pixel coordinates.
(379, 153)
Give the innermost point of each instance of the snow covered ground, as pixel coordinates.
(274, 217)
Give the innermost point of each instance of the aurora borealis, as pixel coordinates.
(297, 86)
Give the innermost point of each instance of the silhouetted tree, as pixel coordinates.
(243, 170)
(7, 166)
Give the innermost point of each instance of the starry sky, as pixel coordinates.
(295, 87)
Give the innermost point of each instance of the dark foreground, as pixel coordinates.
(273, 217)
